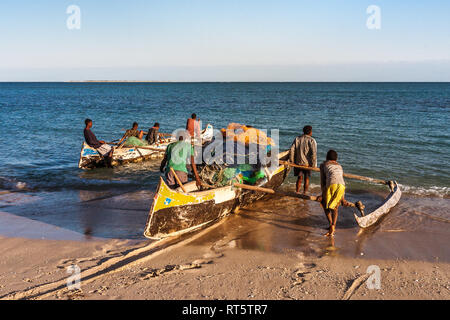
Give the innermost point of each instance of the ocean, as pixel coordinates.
(395, 131)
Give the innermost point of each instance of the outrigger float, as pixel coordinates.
(90, 158)
(174, 211)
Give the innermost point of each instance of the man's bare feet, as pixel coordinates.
(330, 232)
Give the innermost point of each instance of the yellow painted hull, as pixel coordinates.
(174, 212)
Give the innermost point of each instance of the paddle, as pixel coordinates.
(346, 175)
(359, 205)
(178, 180)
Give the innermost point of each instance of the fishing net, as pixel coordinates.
(216, 175)
(134, 141)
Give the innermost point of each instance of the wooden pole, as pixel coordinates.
(346, 175)
(148, 148)
(178, 180)
(271, 191)
(345, 203)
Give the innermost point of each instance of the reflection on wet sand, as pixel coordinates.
(280, 224)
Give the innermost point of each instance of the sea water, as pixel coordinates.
(396, 131)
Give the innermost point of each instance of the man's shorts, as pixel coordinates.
(306, 173)
(172, 182)
(104, 149)
(333, 196)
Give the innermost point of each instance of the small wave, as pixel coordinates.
(12, 184)
(433, 191)
(440, 192)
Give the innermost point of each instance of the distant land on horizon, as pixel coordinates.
(212, 81)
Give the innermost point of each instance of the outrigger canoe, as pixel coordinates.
(174, 212)
(90, 158)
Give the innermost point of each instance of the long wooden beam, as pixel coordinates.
(346, 203)
(346, 175)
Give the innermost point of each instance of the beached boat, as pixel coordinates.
(90, 158)
(174, 212)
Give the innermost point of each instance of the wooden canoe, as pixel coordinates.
(90, 158)
(391, 200)
(174, 212)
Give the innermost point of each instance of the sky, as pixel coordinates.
(225, 40)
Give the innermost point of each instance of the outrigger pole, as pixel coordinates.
(346, 175)
(363, 221)
(358, 205)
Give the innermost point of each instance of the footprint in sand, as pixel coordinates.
(99, 255)
(303, 272)
(207, 258)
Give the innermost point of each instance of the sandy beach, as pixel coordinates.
(215, 263)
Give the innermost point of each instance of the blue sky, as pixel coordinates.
(225, 40)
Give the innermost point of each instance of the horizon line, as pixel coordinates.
(210, 81)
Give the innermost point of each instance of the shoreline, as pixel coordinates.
(213, 270)
(240, 257)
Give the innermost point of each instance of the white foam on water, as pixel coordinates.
(434, 191)
(11, 184)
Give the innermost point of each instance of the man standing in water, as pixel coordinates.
(105, 150)
(333, 189)
(303, 152)
(176, 157)
(193, 126)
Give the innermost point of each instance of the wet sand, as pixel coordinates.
(273, 250)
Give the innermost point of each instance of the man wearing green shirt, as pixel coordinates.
(176, 157)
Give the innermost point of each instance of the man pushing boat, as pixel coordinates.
(104, 149)
(303, 152)
(333, 189)
(176, 158)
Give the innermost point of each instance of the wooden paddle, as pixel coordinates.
(346, 175)
(359, 205)
(178, 180)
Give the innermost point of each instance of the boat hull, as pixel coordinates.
(90, 158)
(173, 212)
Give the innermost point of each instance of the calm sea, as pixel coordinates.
(395, 131)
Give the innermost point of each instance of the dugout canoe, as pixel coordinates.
(174, 212)
(391, 201)
(90, 158)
